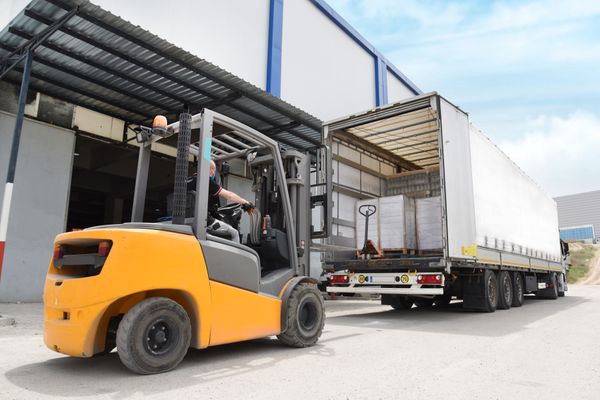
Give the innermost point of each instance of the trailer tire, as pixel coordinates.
(305, 316)
(490, 290)
(154, 336)
(549, 293)
(518, 290)
(505, 290)
(397, 302)
(442, 301)
(563, 280)
(424, 303)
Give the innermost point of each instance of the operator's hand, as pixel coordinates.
(248, 207)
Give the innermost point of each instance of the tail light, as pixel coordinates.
(435, 279)
(339, 279)
(58, 252)
(103, 248)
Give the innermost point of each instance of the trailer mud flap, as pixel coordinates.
(475, 291)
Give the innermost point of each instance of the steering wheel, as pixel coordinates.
(229, 208)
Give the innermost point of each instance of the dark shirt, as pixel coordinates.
(213, 198)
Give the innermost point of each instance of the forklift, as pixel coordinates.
(155, 289)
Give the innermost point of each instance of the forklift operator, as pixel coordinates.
(214, 192)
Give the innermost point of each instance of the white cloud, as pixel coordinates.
(561, 154)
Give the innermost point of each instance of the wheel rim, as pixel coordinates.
(161, 336)
(492, 291)
(307, 316)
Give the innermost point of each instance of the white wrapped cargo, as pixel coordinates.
(373, 224)
(429, 223)
(397, 223)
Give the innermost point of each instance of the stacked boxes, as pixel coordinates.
(402, 222)
(397, 222)
(429, 223)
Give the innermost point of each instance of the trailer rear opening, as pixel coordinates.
(455, 217)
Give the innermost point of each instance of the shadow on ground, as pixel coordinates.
(76, 377)
(455, 320)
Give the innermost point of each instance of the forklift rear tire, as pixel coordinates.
(305, 316)
(154, 336)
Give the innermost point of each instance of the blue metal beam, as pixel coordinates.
(381, 84)
(274, 47)
(362, 42)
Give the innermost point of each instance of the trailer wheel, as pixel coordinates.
(396, 301)
(305, 317)
(154, 336)
(424, 303)
(561, 284)
(442, 301)
(518, 290)
(490, 291)
(505, 290)
(549, 293)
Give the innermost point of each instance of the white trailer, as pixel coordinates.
(498, 230)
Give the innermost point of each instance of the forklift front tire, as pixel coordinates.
(154, 336)
(305, 316)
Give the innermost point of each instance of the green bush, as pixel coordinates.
(580, 263)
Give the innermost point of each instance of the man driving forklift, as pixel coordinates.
(213, 224)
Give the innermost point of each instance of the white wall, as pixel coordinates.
(9, 9)
(39, 204)
(324, 72)
(396, 89)
(232, 34)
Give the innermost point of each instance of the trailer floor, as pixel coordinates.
(545, 349)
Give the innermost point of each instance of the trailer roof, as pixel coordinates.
(407, 131)
(89, 57)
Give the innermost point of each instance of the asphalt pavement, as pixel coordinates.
(547, 349)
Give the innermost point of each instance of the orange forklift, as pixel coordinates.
(155, 289)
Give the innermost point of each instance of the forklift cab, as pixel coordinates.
(276, 247)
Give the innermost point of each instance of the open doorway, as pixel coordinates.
(103, 181)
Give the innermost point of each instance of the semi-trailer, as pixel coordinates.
(453, 217)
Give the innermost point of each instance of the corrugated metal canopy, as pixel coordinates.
(99, 61)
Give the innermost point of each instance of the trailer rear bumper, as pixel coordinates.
(386, 290)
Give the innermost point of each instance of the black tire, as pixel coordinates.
(518, 289)
(549, 293)
(397, 302)
(490, 291)
(561, 277)
(154, 336)
(505, 290)
(305, 317)
(424, 303)
(442, 301)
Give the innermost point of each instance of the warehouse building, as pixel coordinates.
(579, 216)
(95, 77)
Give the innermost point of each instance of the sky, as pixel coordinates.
(527, 72)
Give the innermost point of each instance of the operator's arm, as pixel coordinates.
(232, 197)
